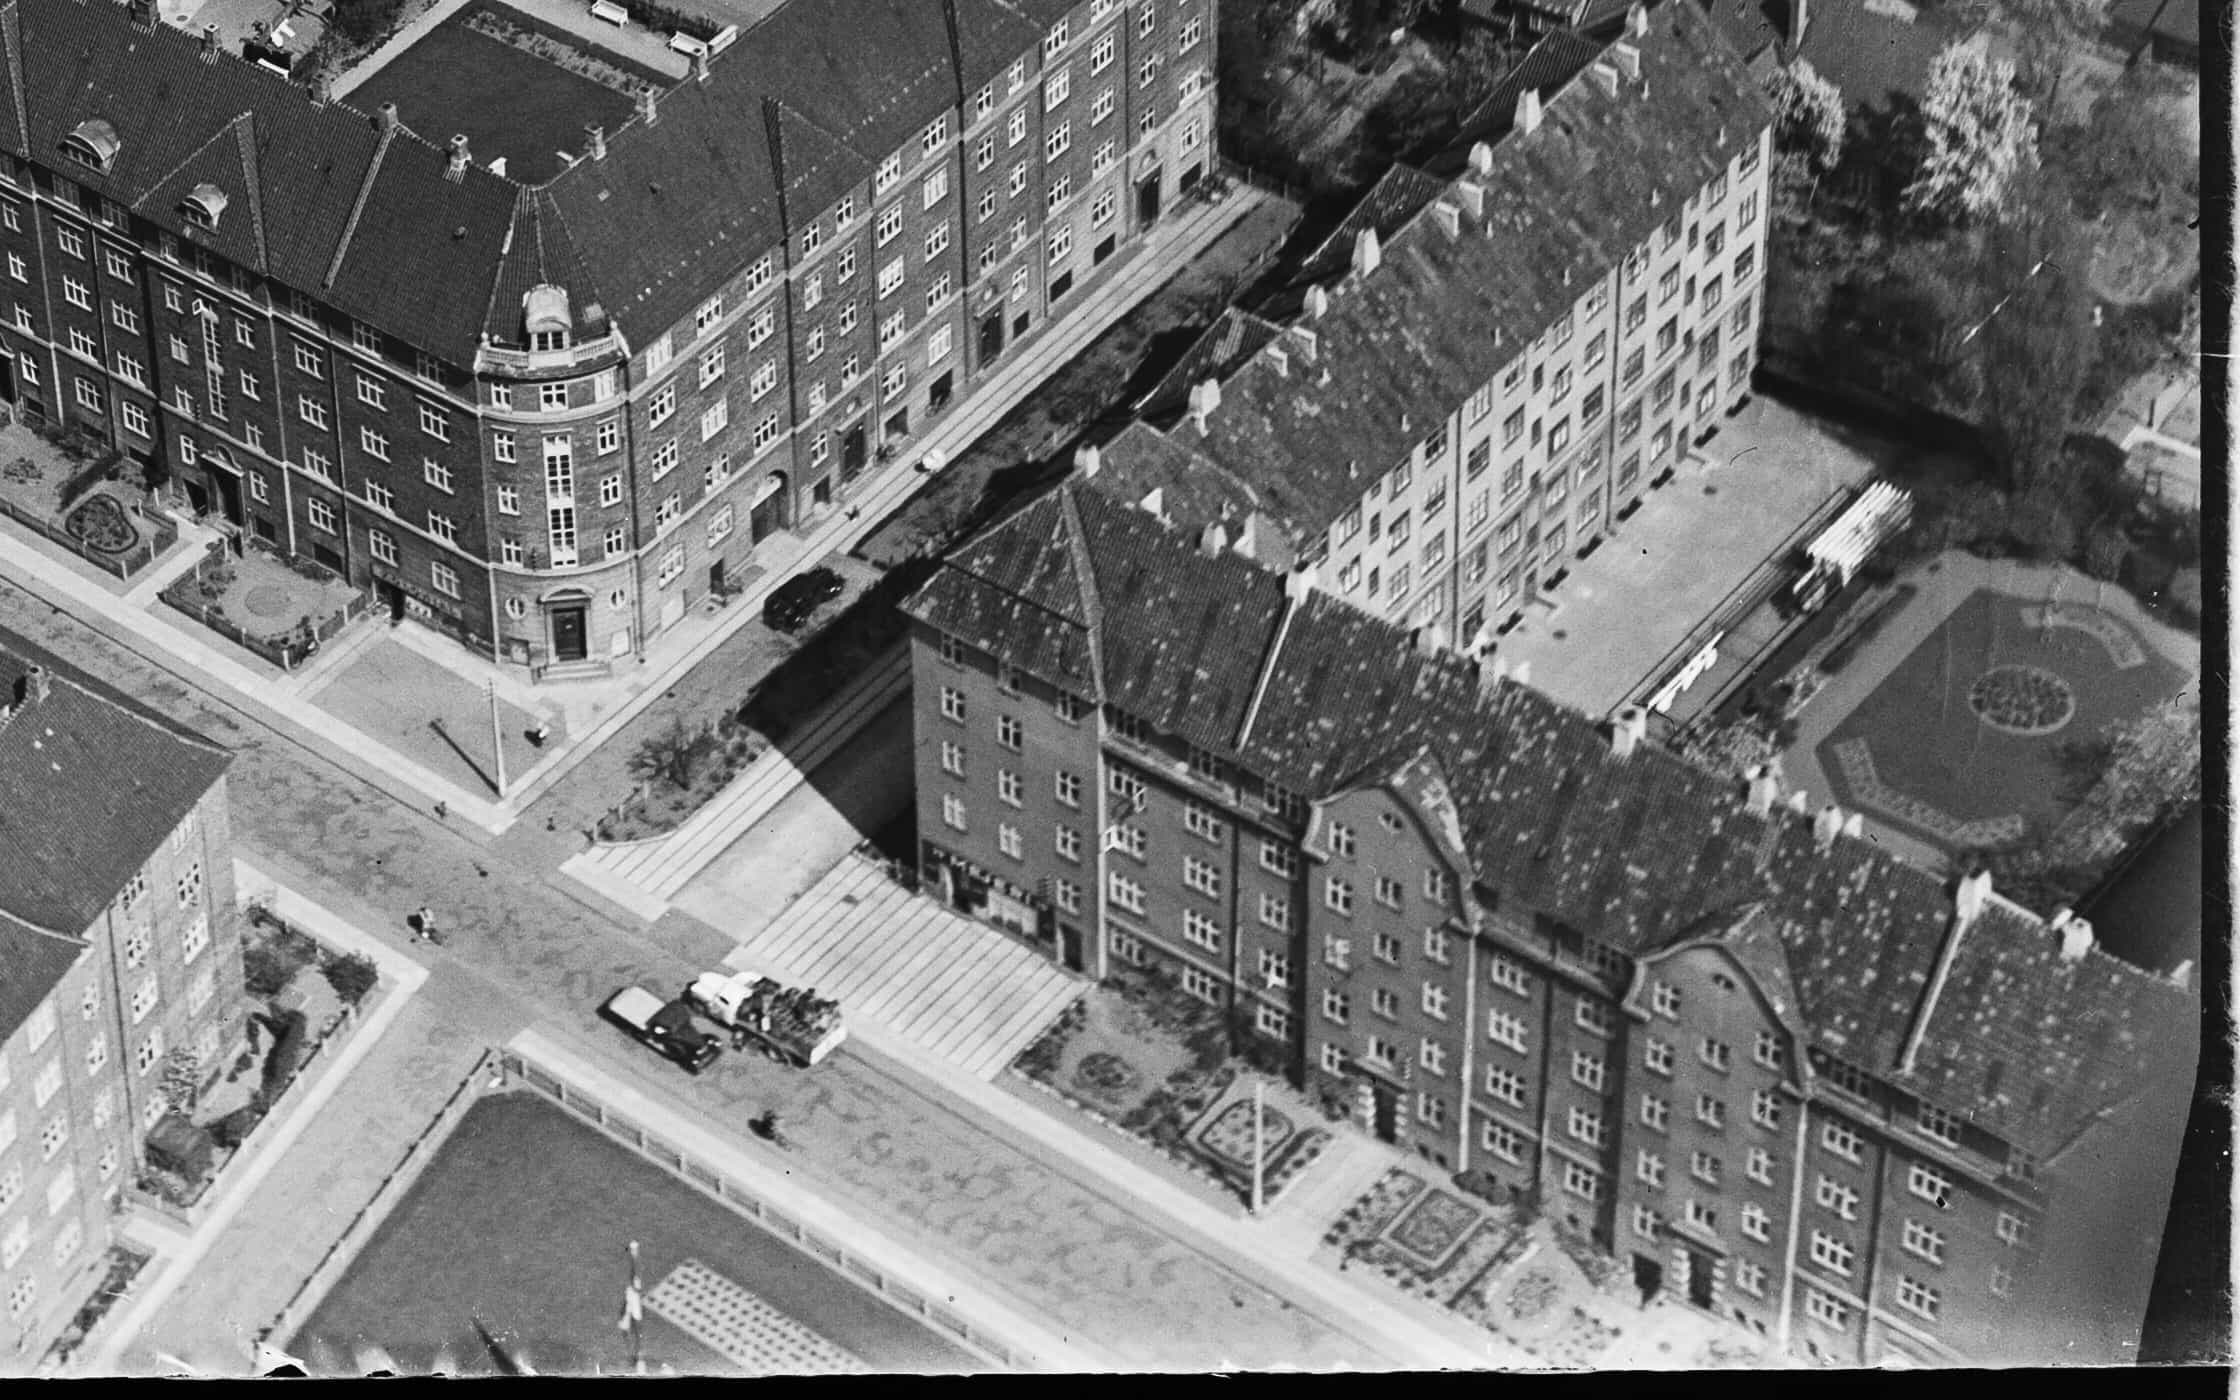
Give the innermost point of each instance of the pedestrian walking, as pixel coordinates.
(443, 809)
(425, 932)
(542, 732)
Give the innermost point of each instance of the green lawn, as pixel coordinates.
(1929, 744)
(523, 1219)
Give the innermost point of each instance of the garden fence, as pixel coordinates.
(157, 535)
(385, 1196)
(714, 1181)
(297, 645)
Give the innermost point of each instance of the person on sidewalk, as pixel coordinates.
(424, 926)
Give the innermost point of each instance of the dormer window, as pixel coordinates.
(93, 144)
(544, 309)
(202, 206)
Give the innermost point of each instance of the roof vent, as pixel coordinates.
(1800, 802)
(2076, 939)
(1765, 787)
(92, 142)
(1368, 252)
(1318, 302)
(1827, 826)
(1855, 824)
(598, 141)
(1449, 217)
(1528, 111)
(385, 117)
(1087, 460)
(1481, 159)
(1155, 503)
(1309, 343)
(1472, 196)
(455, 166)
(1628, 61)
(203, 204)
(1627, 729)
(1205, 397)
(1606, 78)
(1213, 539)
(1279, 360)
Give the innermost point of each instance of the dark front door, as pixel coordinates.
(991, 336)
(1147, 201)
(1648, 1277)
(1069, 947)
(1699, 1278)
(568, 641)
(1387, 1115)
(944, 388)
(229, 496)
(392, 599)
(855, 450)
(715, 577)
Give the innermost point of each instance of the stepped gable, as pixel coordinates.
(1637, 852)
(91, 783)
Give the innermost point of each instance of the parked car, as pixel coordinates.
(791, 604)
(666, 1027)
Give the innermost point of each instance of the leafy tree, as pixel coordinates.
(2127, 155)
(1808, 115)
(1978, 136)
(2106, 549)
(672, 755)
(2041, 523)
(2046, 33)
(2035, 343)
(182, 1080)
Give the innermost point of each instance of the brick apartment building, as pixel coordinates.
(1488, 366)
(120, 946)
(548, 417)
(1788, 1077)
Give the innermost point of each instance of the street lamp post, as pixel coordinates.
(498, 739)
(1259, 1108)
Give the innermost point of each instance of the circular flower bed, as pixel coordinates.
(2022, 699)
(1105, 1074)
(1532, 1295)
(102, 524)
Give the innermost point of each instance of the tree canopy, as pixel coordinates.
(1808, 115)
(1978, 135)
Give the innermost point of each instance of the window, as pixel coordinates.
(1710, 1112)
(1202, 876)
(1704, 1167)
(1938, 1124)
(1583, 1182)
(1754, 1225)
(1922, 1241)
(443, 577)
(1585, 1125)
(77, 293)
(1759, 1167)
(1505, 1085)
(1338, 894)
(311, 411)
(376, 445)
(1824, 1309)
(1587, 1070)
(1657, 1055)
(2011, 1228)
(1917, 1297)
(1841, 1140)
(952, 811)
(1201, 930)
(1124, 892)
(1833, 1195)
(1335, 1005)
(1009, 732)
(1930, 1185)
(1435, 1001)
(1388, 891)
(1275, 912)
(1766, 1049)
(1765, 1108)
(382, 547)
(1664, 999)
(320, 513)
(1507, 973)
(1831, 1253)
(1505, 1029)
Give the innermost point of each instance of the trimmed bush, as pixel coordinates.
(288, 1046)
(352, 975)
(265, 969)
(234, 1129)
(179, 1147)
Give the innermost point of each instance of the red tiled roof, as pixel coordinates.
(1636, 852)
(91, 782)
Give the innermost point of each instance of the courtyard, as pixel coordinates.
(428, 712)
(1973, 719)
(546, 1208)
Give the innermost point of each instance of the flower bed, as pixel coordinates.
(1367, 1216)
(1477, 1300)
(1433, 1225)
(1229, 1136)
(1105, 1075)
(123, 1266)
(99, 522)
(1532, 1295)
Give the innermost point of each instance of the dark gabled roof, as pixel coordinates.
(870, 72)
(989, 35)
(1637, 852)
(1870, 55)
(91, 782)
(33, 962)
(1398, 195)
(1557, 58)
(1754, 27)
(1234, 337)
(1398, 349)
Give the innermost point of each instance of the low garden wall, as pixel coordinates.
(154, 535)
(288, 650)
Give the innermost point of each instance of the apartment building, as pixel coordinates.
(1783, 1075)
(548, 418)
(122, 949)
(1488, 366)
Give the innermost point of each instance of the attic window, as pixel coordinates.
(93, 144)
(544, 310)
(202, 206)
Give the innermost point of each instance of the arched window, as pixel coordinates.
(202, 206)
(94, 143)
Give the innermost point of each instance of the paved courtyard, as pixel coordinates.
(1626, 606)
(427, 711)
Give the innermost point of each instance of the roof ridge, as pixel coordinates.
(252, 178)
(11, 39)
(358, 206)
(1292, 606)
(1085, 579)
(583, 266)
(141, 714)
(521, 200)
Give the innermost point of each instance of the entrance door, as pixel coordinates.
(943, 390)
(715, 577)
(855, 450)
(991, 336)
(568, 634)
(392, 599)
(1648, 1277)
(1147, 201)
(229, 496)
(1387, 1114)
(1699, 1278)
(1070, 949)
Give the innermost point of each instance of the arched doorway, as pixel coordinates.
(567, 625)
(221, 481)
(772, 510)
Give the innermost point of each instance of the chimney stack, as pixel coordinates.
(1528, 112)
(1637, 19)
(1800, 802)
(209, 43)
(1205, 397)
(1309, 343)
(1800, 18)
(1855, 824)
(321, 88)
(1318, 302)
(598, 141)
(2181, 976)
(1473, 197)
(1826, 827)
(1087, 460)
(1278, 360)
(144, 13)
(455, 166)
(1628, 60)
(1969, 897)
(1606, 78)
(1449, 217)
(1765, 787)
(1627, 729)
(646, 106)
(2076, 933)
(385, 117)
(1481, 159)
(1213, 539)
(1368, 252)
(1299, 583)
(700, 64)
(35, 683)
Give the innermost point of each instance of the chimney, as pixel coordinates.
(1628, 60)
(1205, 397)
(1968, 898)
(1528, 112)
(1800, 802)
(1368, 252)
(209, 43)
(1318, 302)
(385, 117)
(1087, 459)
(1449, 217)
(1855, 825)
(1637, 19)
(1309, 343)
(1606, 78)
(700, 64)
(598, 141)
(455, 168)
(1765, 787)
(1481, 159)
(2181, 976)
(646, 106)
(1627, 729)
(144, 13)
(1473, 197)
(35, 683)
(321, 88)
(1429, 639)
(1826, 827)
(1213, 539)
(1299, 583)
(2076, 933)
(1279, 360)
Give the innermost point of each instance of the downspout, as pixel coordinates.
(1784, 1324)
(1469, 1041)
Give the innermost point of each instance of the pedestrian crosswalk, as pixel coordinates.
(953, 987)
